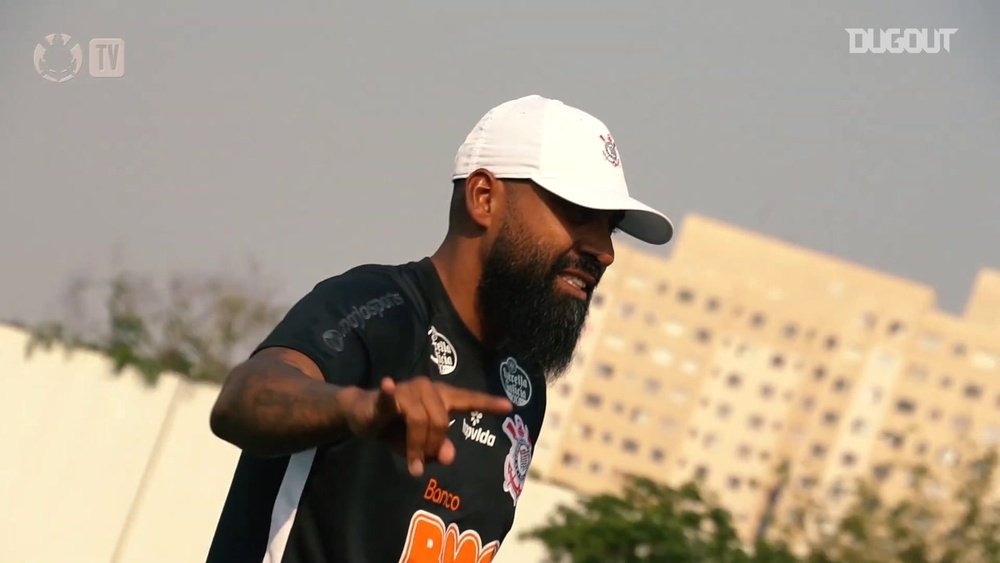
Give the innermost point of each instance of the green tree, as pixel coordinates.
(649, 522)
(196, 325)
(941, 519)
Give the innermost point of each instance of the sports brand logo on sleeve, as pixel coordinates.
(516, 383)
(429, 541)
(515, 467)
(358, 318)
(443, 353)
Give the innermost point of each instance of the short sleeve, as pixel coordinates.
(330, 325)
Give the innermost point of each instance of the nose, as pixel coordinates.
(595, 240)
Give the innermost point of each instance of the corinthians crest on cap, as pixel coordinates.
(611, 150)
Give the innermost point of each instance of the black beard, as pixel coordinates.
(522, 311)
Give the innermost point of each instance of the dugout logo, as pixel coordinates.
(443, 353)
(895, 40)
(516, 383)
(58, 57)
(358, 318)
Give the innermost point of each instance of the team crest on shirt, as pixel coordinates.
(516, 383)
(443, 353)
(515, 467)
(611, 150)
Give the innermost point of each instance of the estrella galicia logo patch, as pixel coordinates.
(515, 466)
(443, 353)
(516, 383)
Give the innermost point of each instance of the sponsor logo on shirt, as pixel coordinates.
(438, 495)
(443, 354)
(516, 383)
(515, 466)
(358, 318)
(428, 540)
(472, 431)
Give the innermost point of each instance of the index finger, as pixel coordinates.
(457, 399)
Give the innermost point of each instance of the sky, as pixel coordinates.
(314, 136)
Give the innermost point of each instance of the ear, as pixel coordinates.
(483, 198)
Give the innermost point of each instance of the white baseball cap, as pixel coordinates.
(564, 150)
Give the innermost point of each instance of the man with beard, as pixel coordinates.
(391, 415)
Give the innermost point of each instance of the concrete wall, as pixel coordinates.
(98, 467)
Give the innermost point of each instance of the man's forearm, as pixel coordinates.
(279, 411)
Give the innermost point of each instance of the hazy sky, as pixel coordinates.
(314, 136)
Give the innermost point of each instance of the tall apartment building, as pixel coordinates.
(741, 352)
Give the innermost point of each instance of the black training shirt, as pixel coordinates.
(354, 501)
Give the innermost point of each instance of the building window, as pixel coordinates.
(859, 425)
(808, 403)
(946, 381)
(734, 482)
(584, 431)
(592, 400)
(840, 385)
(961, 424)
(918, 374)
(818, 450)
(757, 320)
(756, 421)
(607, 437)
(652, 386)
(685, 295)
(596, 468)
(895, 439)
(808, 483)
(790, 331)
(565, 389)
(874, 395)
(831, 342)
(663, 357)
(766, 390)
(703, 335)
(869, 320)
(881, 472)
(973, 391)
(949, 457)
(819, 373)
(708, 441)
(848, 459)
(639, 416)
(598, 299)
(895, 328)
(712, 305)
(905, 406)
(830, 418)
(669, 425)
(935, 414)
(630, 446)
(777, 361)
(657, 455)
(700, 472)
(606, 371)
(744, 451)
(619, 408)
(626, 310)
(722, 411)
(640, 347)
(570, 459)
(958, 349)
(679, 396)
(733, 380)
